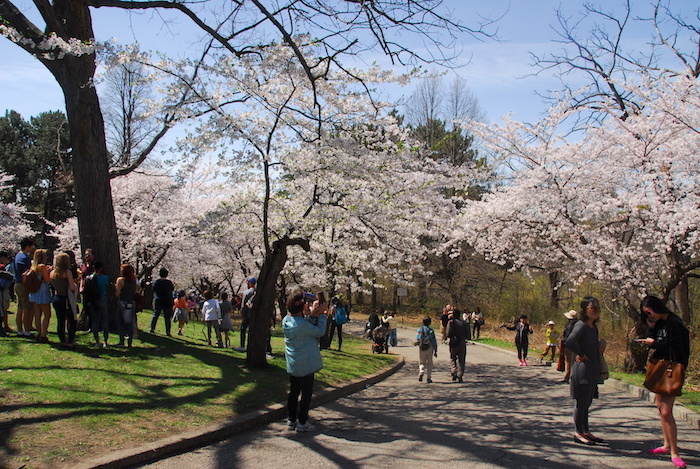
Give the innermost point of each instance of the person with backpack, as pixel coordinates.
(458, 333)
(25, 308)
(427, 349)
(95, 295)
(339, 316)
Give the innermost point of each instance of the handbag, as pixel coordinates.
(604, 371)
(561, 364)
(664, 377)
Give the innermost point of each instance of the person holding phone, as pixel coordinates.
(302, 327)
(670, 340)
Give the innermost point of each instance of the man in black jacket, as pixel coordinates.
(163, 290)
(458, 333)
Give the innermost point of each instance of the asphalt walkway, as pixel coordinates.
(502, 416)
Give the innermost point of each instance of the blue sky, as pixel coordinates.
(494, 73)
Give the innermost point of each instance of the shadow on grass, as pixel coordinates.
(146, 391)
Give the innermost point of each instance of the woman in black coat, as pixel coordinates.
(669, 340)
(585, 369)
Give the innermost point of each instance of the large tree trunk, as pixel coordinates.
(93, 196)
(265, 296)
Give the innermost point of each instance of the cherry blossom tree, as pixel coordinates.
(13, 226)
(349, 186)
(63, 40)
(616, 203)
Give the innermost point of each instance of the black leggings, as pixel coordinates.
(335, 325)
(64, 315)
(305, 386)
(582, 405)
(522, 349)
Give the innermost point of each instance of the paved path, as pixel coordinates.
(502, 416)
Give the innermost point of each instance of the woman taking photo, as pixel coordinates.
(303, 358)
(585, 369)
(670, 340)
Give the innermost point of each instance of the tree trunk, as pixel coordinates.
(554, 289)
(93, 195)
(265, 296)
(682, 300)
(635, 355)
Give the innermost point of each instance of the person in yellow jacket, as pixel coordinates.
(551, 337)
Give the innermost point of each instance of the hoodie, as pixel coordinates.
(301, 344)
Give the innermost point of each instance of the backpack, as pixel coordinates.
(6, 279)
(91, 291)
(341, 316)
(31, 281)
(424, 342)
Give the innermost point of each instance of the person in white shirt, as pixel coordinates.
(211, 313)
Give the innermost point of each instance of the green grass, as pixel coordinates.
(129, 396)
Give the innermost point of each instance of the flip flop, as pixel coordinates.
(678, 462)
(582, 440)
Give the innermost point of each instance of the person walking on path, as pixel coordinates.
(303, 358)
(522, 337)
(458, 334)
(670, 340)
(585, 370)
(427, 349)
(550, 336)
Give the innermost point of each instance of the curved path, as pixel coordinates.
(502, 416)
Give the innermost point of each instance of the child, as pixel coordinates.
(181, 312)
(211, 313)
(226, 324)
(551, 338)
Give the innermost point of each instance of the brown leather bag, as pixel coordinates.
(664, 377)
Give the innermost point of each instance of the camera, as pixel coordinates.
(309, 297)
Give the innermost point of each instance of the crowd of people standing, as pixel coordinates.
(80, 294)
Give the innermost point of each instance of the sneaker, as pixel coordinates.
(420, 378)
(430, 380)
(305, 427)
(459, 379)
(292, 424)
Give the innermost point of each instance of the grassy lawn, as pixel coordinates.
(690, 397)
(59, 405)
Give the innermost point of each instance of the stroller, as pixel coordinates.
(372, 324)
(381, 339)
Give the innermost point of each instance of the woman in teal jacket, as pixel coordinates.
(303, 358)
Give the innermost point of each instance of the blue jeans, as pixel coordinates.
(99, 313)
(167, 310)
(126, 321)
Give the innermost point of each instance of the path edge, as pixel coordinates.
(214, 433)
